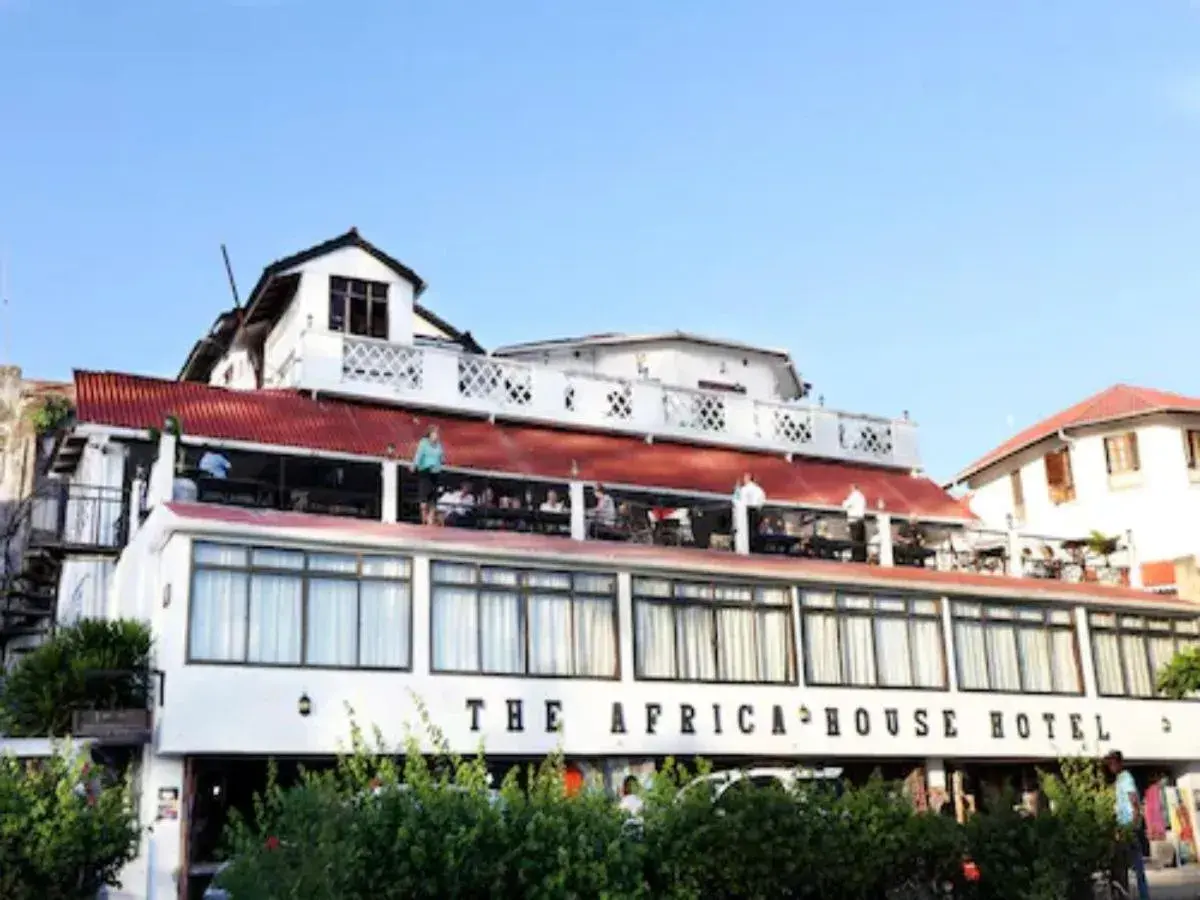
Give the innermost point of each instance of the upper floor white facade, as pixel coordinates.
(1136, 475)
(344, 319)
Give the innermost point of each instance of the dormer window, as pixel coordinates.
(358, 307)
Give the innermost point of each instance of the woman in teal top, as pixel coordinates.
(427, 463)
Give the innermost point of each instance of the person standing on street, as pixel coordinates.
(427, 463)
(1129, 818)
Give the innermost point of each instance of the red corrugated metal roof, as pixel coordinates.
(289, 419)
(1117, 402)
(634, 555)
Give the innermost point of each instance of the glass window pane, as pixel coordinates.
(1004, 670)
(655, 640)
(332, 562)
(858, 650)
(1106, 650)
(775, 646)
(1061, 617)
(453, 573)
(967, 610)
(693, 591)
(971, 650)
(925, 607)
(1035, 655)
(503, 636)
(817, 599)
(502, 577)
(595, 638)
(275, 603)
(651, 587)
(387, 566)
(850, 601)
(554, 581)
(1065, 662)
(893, 652)
(550, 640)
(595, 584)
(732, 594)
(774, 596)
(1000, 612)
(694, 634)
(1162, 650)
(332, 632)
(220, 554)
(455, 628)
(379, 319)
(385, 618)
(1137, 665)
(928, 653)
(358, 314)
(890, 604)
(821, 653)
(271, 558)
(737, 654)
(1031, 615)
(1103, 620)
(337, 312)
(217, 627)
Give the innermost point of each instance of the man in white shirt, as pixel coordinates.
(750, 493)
(553, 504)
(855, 506)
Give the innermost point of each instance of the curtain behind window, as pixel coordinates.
(385, 616)
(218, 616)
(821, 648)
(455, 624)
(275, 604)
(332, 622)
(1109, 677)
(595, 638)
(655, 639)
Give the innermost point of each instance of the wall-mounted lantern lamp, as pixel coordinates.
(805, 715)
(304, 706)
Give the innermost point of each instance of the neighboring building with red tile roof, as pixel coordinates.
(1124, 462)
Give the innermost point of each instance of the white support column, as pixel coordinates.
(578, 510)
(390, 505)
(154, 873)
(741, 528)
(162, 473)
(1135, 565)
(137, 501)
(1016, 565)
(883, 521)
(1086, 659)
(948, 640)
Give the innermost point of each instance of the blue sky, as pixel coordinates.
(977, 211)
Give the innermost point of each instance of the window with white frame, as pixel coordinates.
(280, 607)
(699, 631)
(1020, 649)
(498, 620)
(1130, 650)
(358, 307)
(872, 641)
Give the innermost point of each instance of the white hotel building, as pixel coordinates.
(300, 585)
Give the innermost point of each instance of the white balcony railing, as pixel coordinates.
(441, 378)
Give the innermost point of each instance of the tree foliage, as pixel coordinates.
(431, 828)
(1181, 676)
(63, 834)
(93, 664)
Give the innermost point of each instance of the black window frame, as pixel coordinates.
(1016, 622)
(842, 612)
(1182, 638)
(675, 602)
(305, 574)
(524, 591)
(344, 292)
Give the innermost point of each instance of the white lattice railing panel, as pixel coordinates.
(789, 426)
(866, 437)
(612, 398)
(695, 411)
(375, 362)
(483, 378)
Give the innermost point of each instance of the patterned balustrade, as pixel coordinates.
(444, 378)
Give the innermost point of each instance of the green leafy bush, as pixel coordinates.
(93, 664)
(1181, 676)
(50, 413)
(63, 835)
(425, 828)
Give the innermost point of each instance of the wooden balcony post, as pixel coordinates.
(389, 507)
(741, 528)
(883, 521)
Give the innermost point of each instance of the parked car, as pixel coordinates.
(720, 783)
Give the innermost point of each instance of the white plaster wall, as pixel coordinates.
(1161, 504)
(235, 371)
(237, 709)
(676, 363)
(312, 296)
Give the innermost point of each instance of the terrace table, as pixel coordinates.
(911, 555)
(234, 491)
(775, 543)
(521, 519)
(829, 548)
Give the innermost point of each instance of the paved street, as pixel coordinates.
(1175, 884)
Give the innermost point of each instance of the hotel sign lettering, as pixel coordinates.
(519, 716)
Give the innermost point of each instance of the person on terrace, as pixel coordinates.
(427, 463)
(855, 506)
